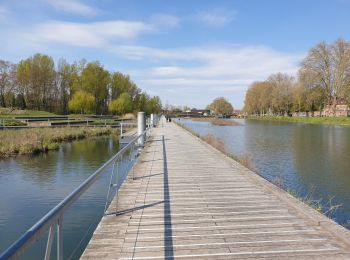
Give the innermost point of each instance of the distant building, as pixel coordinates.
(341, 110)
(301, 114)
(200, 112)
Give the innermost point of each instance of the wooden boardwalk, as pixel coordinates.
(189, 201)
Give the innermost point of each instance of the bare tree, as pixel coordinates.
(7, 80)
(328, 66)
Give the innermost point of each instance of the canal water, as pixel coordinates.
(31, 185)
(311, 160)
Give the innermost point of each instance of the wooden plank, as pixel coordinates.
(189, 201)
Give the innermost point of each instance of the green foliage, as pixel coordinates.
(82, 102)
(220, 106)
(121, 105)
(36, 84)
(121, 83)
(154, 105)
(141, 102)
(36, 78)
(95, 80)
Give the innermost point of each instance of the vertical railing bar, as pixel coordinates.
(49, 242)
(117, 191)
(110, 185)
(133, 158)
(60, 238)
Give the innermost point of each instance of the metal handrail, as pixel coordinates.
(55, 215)
(126, 124)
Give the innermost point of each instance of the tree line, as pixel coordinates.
(323, 80)
(38, 83)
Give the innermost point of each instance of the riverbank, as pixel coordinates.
(216, 121)
(32, 141)
(307, 120)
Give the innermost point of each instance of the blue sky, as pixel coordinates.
(187, 52)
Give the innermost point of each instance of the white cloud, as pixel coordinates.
(216, 17)
(73, 6)
(249, 62)
(206, 72)
(95, 34)
(165, 20)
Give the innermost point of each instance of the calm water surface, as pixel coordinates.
(313, 160)
(31, 185)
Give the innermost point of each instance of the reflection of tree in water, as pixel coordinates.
(94, 150)
(38, 168)
(70, 158)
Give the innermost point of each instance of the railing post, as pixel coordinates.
(49, 242)
(117, 181)
(60, 238)
(141, 127)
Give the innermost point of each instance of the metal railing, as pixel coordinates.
(129, 124)
(123, 161)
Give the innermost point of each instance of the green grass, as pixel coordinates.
(307, 120)
(11, 122)
(32, 141)
(7, 113)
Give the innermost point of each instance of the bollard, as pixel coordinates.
(141, 127)
(152, 120)
(155, 119)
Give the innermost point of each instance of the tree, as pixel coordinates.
(154, 105)
(7, 82)
(121, 105)
(95, 80)
(82, 101)
(64, 81)
(281, 92)
(121, 83)
(221, 106)
(299, 98)
(328, 66)
(141, 103)
(36, 78)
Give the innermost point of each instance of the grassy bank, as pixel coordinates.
(216, 121)
(32, 141)
(307, 120)
(6, 112)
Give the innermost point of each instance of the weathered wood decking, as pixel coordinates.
(191, 202)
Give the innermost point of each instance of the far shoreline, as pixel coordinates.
(340, 121)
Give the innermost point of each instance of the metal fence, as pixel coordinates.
(121, 163)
